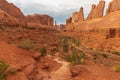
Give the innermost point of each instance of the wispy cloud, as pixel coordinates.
(59, 9)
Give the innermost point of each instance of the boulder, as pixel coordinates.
(77, 70)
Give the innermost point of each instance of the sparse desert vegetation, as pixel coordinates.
(35, 47)
(43, 51)
(117, 68)
(26, 44)
(76, 58)
(3, 68)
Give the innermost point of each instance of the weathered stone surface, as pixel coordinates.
(78, 16)
(40, 19)
(113, 6)
(7, 20)
(90, 16)
(69, 20)
(13, 11)
(97, 11)
(81, 15)
(77, 70)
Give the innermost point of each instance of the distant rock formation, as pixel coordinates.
(40, 19)
(69, 20)
(78, 16)
(113, 6)
(13, 11)
(97, 11)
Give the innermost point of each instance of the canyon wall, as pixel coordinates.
(78, 16)
(40, 19)
(113, 6)
(104, 31)
(7, 20)
(16, 14)
(13, 11)
(97, 11)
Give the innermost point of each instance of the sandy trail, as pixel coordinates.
(63, 73)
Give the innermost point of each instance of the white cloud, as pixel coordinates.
(59, 9)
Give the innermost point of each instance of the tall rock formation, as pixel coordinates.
(113, 6)
(13, 11)
(40, 19)
(81, 15)
(90, 15)
(69, 20)
(78, 16)
(97, 11)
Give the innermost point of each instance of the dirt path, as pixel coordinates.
(63, 73)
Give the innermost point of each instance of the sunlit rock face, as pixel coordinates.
(40, 19)
(113, 6)
(78, 16)
(13, 11)
(97, 11)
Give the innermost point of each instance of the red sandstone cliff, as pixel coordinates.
(97, 11)
(7, 20)
(40, 19)
(69, 20)
(113, 6)
(78, 16)
(13, 11)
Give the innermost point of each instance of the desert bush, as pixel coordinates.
(76, 42)
(104, 55)
(76, 58)
(3, 67)
(117, 68)
(115, 53)
(95, 57)
(65, 47)
(70, 39)
(43, 51)
(27, 44)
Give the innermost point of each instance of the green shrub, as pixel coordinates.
(26, 45)
(68, 39)
(43, 51)
(104, 55)
(65, 47)
(117, 68)
(95, 56)
(3, 67)
(76, 58)
(115, 53)
(76, 42)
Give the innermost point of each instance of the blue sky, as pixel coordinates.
(59, 9)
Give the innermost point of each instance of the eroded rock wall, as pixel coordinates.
(97, 11)
(40, 19)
